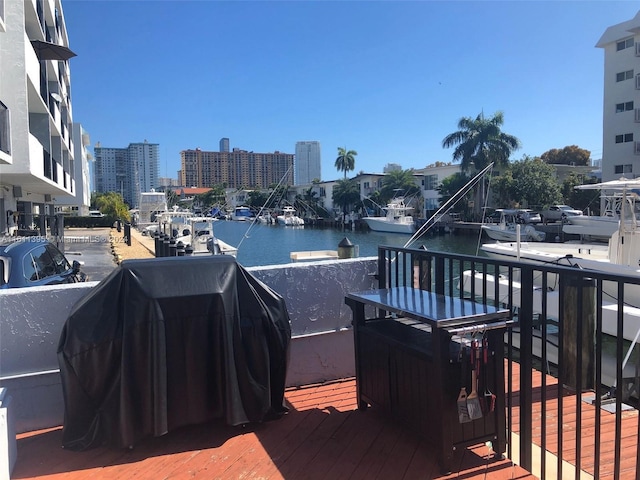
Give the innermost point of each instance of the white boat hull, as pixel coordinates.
(383, 224)
(631, 325)
(584, 256)
(508, 234)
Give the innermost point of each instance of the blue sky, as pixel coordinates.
(387, 79)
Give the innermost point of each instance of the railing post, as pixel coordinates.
(525, 318)
(439, 275)
(578, 327)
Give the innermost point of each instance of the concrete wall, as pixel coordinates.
(321, 350)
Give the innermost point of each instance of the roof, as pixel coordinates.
(191, 191)
(620, 31)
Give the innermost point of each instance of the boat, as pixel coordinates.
(508, 229)
(486, 285)
(621, 256)
(192, 231)
(602, 227)
(395, 220)
(289, 218)
(242, 213)
(198, 234)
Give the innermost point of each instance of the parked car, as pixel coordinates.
(559, 213)
(524, 215)
(35, 261)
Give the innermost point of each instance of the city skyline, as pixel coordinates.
(391, 86)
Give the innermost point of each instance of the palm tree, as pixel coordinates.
(346, 161)
(346, 193)
(480, 141)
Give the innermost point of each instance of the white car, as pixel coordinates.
(559, 213)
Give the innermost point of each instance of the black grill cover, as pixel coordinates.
(167, 342)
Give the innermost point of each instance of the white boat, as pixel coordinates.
(620, 257)
(396, 219)
(507, 229)
(486, 285)
(242, 213)
(601, 227)
(199, 235)
(289, 218)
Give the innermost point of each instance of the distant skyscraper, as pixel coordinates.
(307, 163)
(127, 171)
(236, 169)
(224, 144)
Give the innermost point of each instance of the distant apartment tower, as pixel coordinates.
(237, 168)
(307, 163)
(128, 171)
(224, 144)
(621, 116)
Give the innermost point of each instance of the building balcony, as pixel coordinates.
(324, 435)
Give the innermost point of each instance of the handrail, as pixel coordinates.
(552, 297)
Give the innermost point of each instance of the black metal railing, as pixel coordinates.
(575, 334)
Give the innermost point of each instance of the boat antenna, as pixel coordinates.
(448, 205)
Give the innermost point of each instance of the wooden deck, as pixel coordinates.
(324, 436)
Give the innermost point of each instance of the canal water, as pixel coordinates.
(260, 244)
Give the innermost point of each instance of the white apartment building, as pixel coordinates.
(128, 171)
(79, 203)
(431, 178)
(621, 115)
(307, 163)
(36, 139)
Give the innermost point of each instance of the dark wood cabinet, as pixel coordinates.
(411, 351)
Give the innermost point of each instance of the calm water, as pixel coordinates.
(272, 244)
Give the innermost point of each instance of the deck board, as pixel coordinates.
(323, 436)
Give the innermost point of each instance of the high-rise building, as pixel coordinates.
(307, 163)
(236, 169)
(224, 144)
(36, 139)
(128, 171)
(621, 116)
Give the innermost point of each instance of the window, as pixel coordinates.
(431, 182)
(620, 169)
(5, 130)
(621, 45)
(60, 262)
(622, 76)
(627, 137)
(624, 107)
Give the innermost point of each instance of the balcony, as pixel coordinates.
(324, 435)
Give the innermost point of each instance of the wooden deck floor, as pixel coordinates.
(324, 436)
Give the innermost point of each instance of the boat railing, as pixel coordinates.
(567, 326)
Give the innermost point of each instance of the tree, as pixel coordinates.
(172, 198)
(399, 180)
(452, 185)
(480, 141)
(111, 204)
(346, 161)
(581, 199)
(528, 183)
(345, 194)
(571, 155)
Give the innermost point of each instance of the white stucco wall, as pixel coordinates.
(321, 349)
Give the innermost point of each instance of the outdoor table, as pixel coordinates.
(411, 349)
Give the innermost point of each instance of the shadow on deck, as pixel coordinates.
(323, 436)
